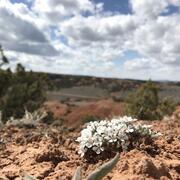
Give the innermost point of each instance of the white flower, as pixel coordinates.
(100, 134)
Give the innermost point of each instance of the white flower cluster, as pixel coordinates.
(147, 131)
(99, 134)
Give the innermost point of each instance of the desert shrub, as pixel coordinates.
(107, 136)
(89, 118)
(20, 90)
(5, 81)
(166, 107)
(145, 104)
(25, 91)
(5, 75)
(29, 120)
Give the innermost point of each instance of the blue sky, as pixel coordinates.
(121, 6)
(114, 38)
(27, 2)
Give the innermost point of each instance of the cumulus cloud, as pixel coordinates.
(18, 29)
(98, 29)
(148, 8)
(141, 64)
(56, 10)
(159, 39)
(79, 37)
(20, 34)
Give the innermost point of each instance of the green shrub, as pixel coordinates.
(166, 107)
(20, 90)
(144, 103)
(5, 81)
(26, 90)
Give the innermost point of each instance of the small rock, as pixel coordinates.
(169, 139)
(146, 166)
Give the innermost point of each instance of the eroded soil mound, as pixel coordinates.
(101, 109)
(48, 152)
(58, 109)
(73, 116)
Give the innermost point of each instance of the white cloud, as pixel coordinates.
(139, 64)
(175, 2)
(159, 39)
(56, 10)
(19, 33)
(148, 8)
(98, 28)
(94, 42)
(99, 38)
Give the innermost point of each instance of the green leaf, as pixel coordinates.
(77, 174)
(28, 177)
(104, 169)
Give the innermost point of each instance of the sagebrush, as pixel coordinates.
(145, 103)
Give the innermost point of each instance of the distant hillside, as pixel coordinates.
(108, 87)
(66, 81)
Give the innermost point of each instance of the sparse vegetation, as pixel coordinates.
(102, 88)
(166, 107)
(145, 103)
(48, 142)
(21, 90)
(26, 90)
(29, 119)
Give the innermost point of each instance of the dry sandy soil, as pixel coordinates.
(47, 152)
(50, 152)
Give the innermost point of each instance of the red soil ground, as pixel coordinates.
(73, 116)
(59, 110)
(101, 109)
(48, 153)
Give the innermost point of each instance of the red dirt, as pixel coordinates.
(101, 109)
(50, 153)
(73, 115)
(59, 110)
